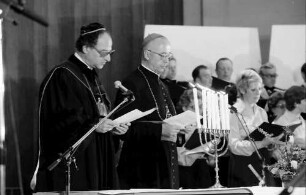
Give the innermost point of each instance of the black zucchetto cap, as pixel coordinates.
(149, 38)
(91, 28)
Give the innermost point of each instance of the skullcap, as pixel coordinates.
(92, 28)
(150, 38)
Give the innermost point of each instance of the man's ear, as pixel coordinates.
(197, 80)
(146, 54)
(85, 49)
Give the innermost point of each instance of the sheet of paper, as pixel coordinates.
(186, 118)
(133, 115)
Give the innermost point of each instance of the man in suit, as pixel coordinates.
(202, 75)
(268, 74)
(224, 71)
(149, 156)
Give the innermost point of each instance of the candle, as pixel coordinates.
(227, 113)
(204, 107)
(223, 117)
(196, 106)
(209, 109)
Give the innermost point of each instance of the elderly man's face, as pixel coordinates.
(269, 77)
(158, 53)
(170, 71)
(224, 70)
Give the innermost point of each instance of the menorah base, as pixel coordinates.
(217, 185)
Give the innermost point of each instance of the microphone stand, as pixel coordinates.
(247, 131)
(68, 154)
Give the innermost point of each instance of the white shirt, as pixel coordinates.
(237, 143)
(299, 135)
(80, 58)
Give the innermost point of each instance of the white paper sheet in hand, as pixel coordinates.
(186, 118)
(133, 115)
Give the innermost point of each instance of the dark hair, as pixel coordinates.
(196, 71)
(274, 99)
(222, 59)
(89, 35)
(294, 95)
(303, 69)
(266, 66)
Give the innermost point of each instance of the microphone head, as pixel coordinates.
(117, 84)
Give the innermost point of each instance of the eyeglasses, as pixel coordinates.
(104, 53)
(164, 56)
(270, 75)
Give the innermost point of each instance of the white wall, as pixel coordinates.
(288, 53)
(195, 45)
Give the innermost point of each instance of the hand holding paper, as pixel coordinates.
(184, 119)
(133, 115)
(169, 132)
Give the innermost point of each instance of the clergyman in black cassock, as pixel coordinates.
(149, 156)
(72, 101)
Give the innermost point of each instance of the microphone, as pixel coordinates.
(124, 90)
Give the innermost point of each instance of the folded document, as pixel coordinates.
(133, 115)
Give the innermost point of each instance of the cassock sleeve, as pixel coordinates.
(66, 112)
(143, 130)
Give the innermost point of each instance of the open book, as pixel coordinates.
(133, 115)
(272, 130)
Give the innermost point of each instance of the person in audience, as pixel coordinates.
(176, 88)
(202, 75)
(295, 98)
(224, 71)
(243, 121)
(277, 105)
(194, 169)
(268, 74)
(149, 156)
(303, 73)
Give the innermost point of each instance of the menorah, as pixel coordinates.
(215, 123)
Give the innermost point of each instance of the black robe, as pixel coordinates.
(67, 111)
(146, 161)
(176, 89)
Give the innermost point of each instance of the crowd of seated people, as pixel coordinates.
(257, 100)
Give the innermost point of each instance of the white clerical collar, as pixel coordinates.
(80, 58)
(149, 69)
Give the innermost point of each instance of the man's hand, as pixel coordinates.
(106, 126)
(169, 132)
(121, 128)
